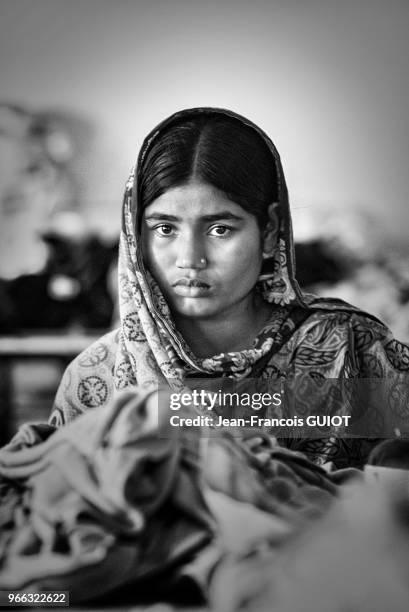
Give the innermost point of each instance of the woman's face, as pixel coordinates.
(204, 251)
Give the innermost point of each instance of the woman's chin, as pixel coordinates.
(195, 307)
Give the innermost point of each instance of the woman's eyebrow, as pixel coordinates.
(224, 214)
(209, 218)
(161, 217)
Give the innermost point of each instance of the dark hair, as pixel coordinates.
(219, 150)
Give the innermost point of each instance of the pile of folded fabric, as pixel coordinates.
(118, 497)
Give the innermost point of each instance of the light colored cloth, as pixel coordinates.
(108, 499)
(119, 495)
(354, 558)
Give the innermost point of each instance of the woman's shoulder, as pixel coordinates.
(336, 333)
(101, 352)
(332, 321)
(94, 365)
(88, 380)
(338, 311)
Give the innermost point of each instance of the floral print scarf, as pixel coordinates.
(147, 350)
(147, 325)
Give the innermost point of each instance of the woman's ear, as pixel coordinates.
(270, 233)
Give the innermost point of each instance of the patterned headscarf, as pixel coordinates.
(147, 327)
(147, 350)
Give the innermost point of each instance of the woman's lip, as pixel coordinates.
(190, 291)
(192, 283)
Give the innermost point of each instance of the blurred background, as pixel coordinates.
(83, 81)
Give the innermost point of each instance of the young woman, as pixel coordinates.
(207, 282)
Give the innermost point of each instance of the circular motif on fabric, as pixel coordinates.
(398, 355)
(92, 391)
(124, 375)
(93, 356)
(129, 291)
(132, 328)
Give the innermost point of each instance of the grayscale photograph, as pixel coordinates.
(204, 305)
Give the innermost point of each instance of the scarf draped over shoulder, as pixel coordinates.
(147, 350)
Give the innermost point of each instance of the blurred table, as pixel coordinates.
(60, 347)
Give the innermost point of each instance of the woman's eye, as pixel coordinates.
(220, 230)
(164, 230)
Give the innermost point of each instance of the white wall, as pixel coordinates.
(326, 79)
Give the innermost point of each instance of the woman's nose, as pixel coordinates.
(190, 254)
